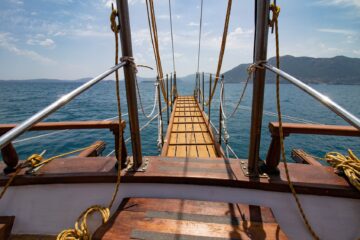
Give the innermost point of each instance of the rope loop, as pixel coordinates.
(113, 24)
(275, 15)
(258, 64)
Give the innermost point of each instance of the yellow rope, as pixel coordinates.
(350, 165)
(35, 160)
(222, 50)
(81, 230)
(276, 10)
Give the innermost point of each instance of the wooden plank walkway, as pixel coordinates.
(189, 134)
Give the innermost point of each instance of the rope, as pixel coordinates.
(276, 11)
(35, 161)
(155, 43)
(222, 49)
(140, 100)
(349, 165)
(172, 37)
(250, 70)
(81, 229)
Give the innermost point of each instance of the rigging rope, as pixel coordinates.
(250, 70)
(80, 231)
(222, 49)
(274, 23)
(172, 37)
(155, 44)
(140, 100)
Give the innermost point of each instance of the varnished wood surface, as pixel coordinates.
(44, 126)
(319, 129)
(307, 179)
(140, 218)
(188, 134)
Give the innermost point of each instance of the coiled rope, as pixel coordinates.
(349, 165)
(81, 230)
(274, 23)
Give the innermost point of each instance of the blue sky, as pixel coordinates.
(70, 39)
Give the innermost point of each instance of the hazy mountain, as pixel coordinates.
(336, 70)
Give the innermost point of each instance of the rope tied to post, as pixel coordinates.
(130, 61)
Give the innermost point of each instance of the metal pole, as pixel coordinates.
(209, 106)
(130, 75)
(167, 97)
(175, 86)
(171, 92)
(333, 106)
(220, 116)
(260, 54)
(28, 123)
(203, 94)
(160, 111)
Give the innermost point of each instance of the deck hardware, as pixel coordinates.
(244, 168)
(142, 168)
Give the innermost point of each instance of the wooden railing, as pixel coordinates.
(11, 158)
(273, 155)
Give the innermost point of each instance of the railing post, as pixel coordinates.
(160, 111)
(203, 94)
(167, 97)
(129, 73)
(209, 103)
(171, 92)
(220, 115)
(260, 54)
(175, 86)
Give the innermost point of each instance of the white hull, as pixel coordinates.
(48, 209)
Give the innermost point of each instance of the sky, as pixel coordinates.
(71, 39)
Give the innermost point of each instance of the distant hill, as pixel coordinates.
(336, 70)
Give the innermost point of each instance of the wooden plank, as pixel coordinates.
(189, 220)
(301, 156)
(203, 151)
(45, 126)
(319, 129)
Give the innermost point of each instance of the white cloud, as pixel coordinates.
(41, 40)
(19, 2)
(341, 3)
(7, 42)
(193, 24)
(337, 31)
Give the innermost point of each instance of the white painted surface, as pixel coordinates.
(48, 209)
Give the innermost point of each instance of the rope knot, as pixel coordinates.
(113, 15)
(258, 64)
(275, 15)
(33, 160)
(129, 60)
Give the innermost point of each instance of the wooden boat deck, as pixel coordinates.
(140, 218)
(189, 134)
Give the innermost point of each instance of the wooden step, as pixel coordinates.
(158, 219)
(6, 224)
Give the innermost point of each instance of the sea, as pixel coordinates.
(21, 99)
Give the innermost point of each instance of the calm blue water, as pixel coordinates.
(19, 100)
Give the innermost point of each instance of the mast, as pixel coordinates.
(130, 75)
(260, 54)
